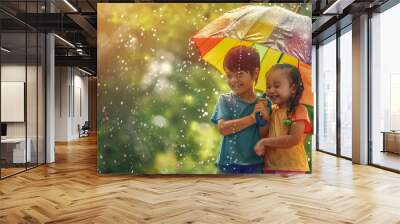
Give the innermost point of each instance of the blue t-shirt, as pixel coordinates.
(237, 148)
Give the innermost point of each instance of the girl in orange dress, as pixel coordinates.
(283, 148)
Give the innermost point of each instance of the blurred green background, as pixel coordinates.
(155, 95)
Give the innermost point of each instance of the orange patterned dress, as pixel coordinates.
(291, 159)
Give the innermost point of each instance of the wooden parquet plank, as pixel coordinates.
(70, 191)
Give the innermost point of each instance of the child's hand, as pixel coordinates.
(261, 107)
(260, 148)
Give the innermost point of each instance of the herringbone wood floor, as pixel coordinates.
(70, 191)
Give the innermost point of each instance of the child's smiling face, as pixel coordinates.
(241, 81)
(279, 88)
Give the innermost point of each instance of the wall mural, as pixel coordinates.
(204, 88)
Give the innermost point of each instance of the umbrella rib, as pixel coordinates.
(280, 58)
(265, 54)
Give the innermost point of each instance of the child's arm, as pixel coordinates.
(228, 127)
(285, 141)
(263, 131)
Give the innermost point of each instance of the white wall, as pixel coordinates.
(13, 73)
(80, 110)
(62, 82)
(71, 87)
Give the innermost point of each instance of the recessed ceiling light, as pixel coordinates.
(64, 40)
(5, 50)
(84, 71)
(70, 5)
(338, 6)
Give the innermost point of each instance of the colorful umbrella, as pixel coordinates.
(279, 35)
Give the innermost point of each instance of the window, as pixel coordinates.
(22, 76)
(346, 93)
(327, 96)
(385, 89)
(314, 86)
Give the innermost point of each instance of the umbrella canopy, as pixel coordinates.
(279, 35)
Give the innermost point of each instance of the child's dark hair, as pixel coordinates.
(242, 58)
(294, 77)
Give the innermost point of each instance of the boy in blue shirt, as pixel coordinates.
(235, 117)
